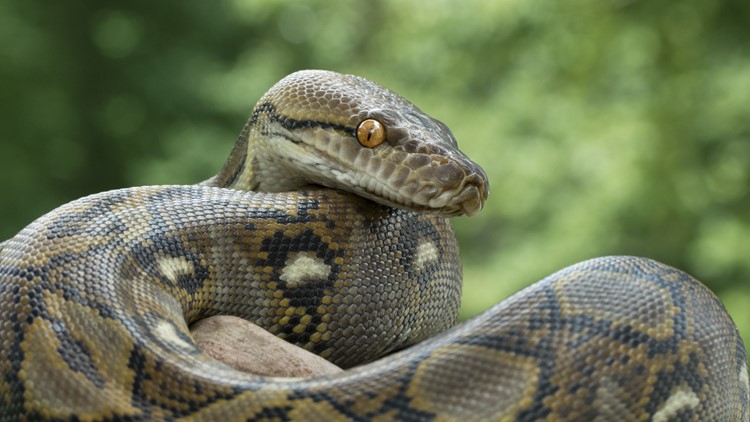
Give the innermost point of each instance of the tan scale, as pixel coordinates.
(327, 226)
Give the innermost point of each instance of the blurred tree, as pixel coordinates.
(606, 127)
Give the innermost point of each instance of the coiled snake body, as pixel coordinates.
(96, 296)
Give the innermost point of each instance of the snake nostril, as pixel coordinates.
(479, 179)
(474, 194)
(469, 201)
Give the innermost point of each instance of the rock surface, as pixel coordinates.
(247, 347)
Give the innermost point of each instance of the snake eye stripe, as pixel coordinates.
(292, 124)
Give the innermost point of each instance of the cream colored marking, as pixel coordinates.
(166, 331)
(174, 266)
(679, 400)
(611, 407)
(302, 267)
(427, 253)
(744, 381)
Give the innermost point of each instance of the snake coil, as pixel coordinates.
(327, 226)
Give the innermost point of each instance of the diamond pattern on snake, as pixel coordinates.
(328, 227)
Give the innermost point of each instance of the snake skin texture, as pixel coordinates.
(343, 248)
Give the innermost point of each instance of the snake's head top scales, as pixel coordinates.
(346, 132)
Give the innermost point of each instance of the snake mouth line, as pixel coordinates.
(463, 200)
(387, 182)
(468, 198)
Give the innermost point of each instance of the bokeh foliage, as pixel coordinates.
(606, 126)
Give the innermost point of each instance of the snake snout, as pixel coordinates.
(475, 191)
(453, 188)
(470, 198)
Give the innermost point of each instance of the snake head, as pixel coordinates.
(346, 132)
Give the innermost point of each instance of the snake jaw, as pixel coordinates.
(443, 182)
(439, 182)
(399, 186)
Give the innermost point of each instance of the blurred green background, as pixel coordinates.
(606, 126)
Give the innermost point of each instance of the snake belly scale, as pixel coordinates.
(327, 226)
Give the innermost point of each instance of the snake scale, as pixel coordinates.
(328, 227)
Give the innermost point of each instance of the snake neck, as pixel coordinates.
(237, 170)
(240, 171)
(255, 163)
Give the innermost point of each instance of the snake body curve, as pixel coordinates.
(96, 297)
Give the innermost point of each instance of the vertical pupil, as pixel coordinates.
(370, 133)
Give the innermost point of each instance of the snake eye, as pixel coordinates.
(370, 133)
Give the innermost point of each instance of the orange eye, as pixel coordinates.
(370, 133)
